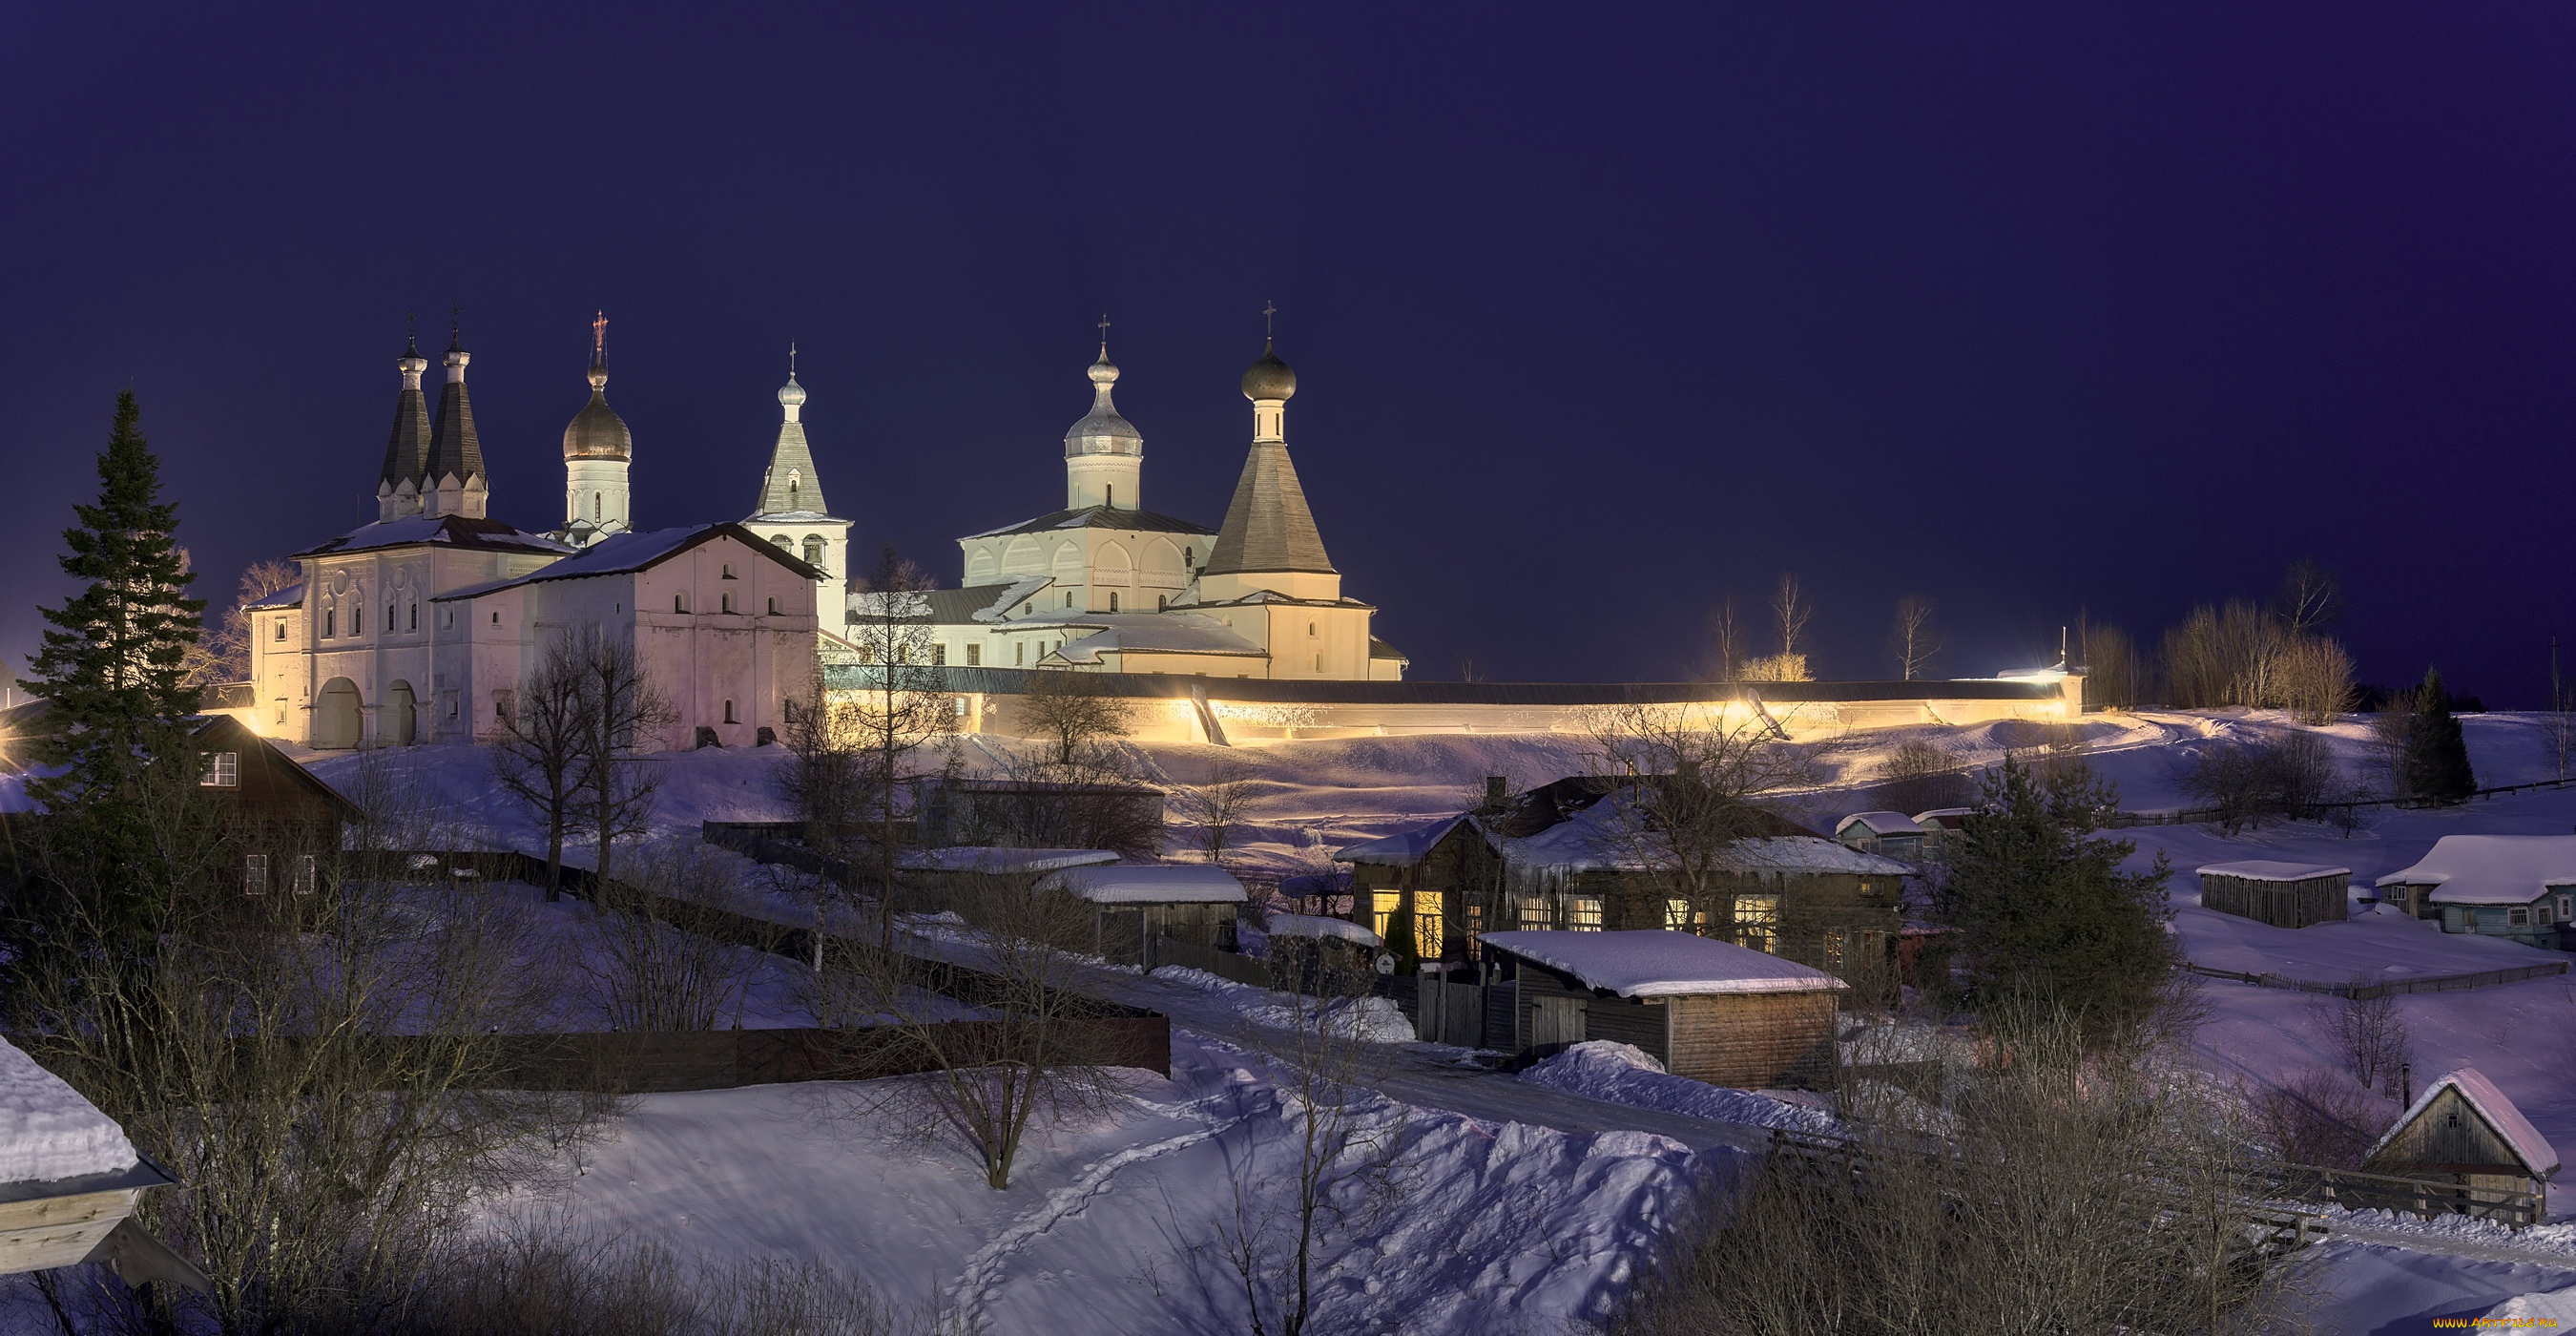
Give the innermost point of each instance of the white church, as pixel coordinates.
(423, 625)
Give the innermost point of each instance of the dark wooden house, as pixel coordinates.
(1708, 1010)
(2285, 895)
(285, 821)
(2464, 1129)
(1134, 903)
(1039, 815)
(1576, 856)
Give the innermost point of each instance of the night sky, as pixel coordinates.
(1597, 315)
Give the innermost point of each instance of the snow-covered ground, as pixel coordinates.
(1102, 1226)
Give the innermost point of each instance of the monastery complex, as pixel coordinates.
(425, 624)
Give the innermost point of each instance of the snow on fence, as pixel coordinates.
(2446, 983)
(2427, 1197)
(2196, 815)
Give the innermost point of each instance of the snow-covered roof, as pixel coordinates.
(289, 596)
(1806, 853)
(1018, 591)
(1659, 963)
(2265, 869)
(981, 859)
(2491, 1104)
(1947, 818)
(1880, 823)
(1591, 841)
(1151, 633)
(47, 1131)
(1404, 848)
(1148, 883)
(626, 553)
(1314, 925)
(456, 530)
(2492, 869)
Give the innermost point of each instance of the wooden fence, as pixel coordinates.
(2196, 815)
(2428, 1197)
(2447, 983)
(1223, 964)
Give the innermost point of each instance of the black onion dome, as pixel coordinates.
(1269, 378)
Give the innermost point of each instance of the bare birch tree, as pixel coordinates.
(1726, 643)
(540, 756)
(622, 711)
(1790, 612)
(1213, 810)
(1912, 641)
(897, 706)
(2310, 599)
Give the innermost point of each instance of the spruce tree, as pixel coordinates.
(2436, 763)
(2044, 916)
(111, 669)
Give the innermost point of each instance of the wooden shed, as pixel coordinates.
(69, 1181)
(2285, 895)
(2463, 1128)
(929, 880)
(1708, 1010)
(1134, 903)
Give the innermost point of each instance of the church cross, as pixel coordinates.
(1267, 311)
(598, 337)
(1104, 333)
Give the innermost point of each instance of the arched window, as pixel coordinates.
(1189, 557)
(814, 551)
(1310, 628)
(1113, 602)
(594, 505)
(785, 543)
(795, 487)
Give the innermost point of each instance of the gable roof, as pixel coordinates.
(627, 553)
(220, 731)
(464, 531)
(1404, 848)
(1880, 823)
(2537, 1154)
(1147, 883)
(1661, 963)
(790, 487)
(1268, 526)
(2492, 869)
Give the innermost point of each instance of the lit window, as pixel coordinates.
(1382, 907)
(1757, 922)
(1680, 917)
(223, 771)
(255, 874)
(1533, 912)
(1430, 935)
(1834, 949)
(1583, 913)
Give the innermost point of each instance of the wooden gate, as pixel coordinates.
(1555, 1024)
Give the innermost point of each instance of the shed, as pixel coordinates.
(1299, 942)
(1708, 1010)
(953, 811)
(2285, 895)
(2463, 1128)
(1892, 834)
(929, 880)
(2517, 886)
(69, 1180)
(1138, 902)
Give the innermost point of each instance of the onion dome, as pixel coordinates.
(596, 431)
(791, 396)
(1269, 378)
(1102, 431)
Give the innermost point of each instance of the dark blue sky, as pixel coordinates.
(1596, 314)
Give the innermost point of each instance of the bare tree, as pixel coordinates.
(2290, 776)
(1921, 775)
(1028, 1060)
(1912, 642)
(540, 759)
(897, 706)
(2114, 677)
(222, 654)
(1214, 808)
(1343, 1161)
(1790, 611)
(622, 711)
(1072, 715)
(823, 781)
(1686, 783)
(2311, 677)
(2318, 1117)
(2310, 598)
(2560, 725)
(2367, 1031)
(656, 961)
(1726, 643)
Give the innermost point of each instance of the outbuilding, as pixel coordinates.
(1302, 945)
(2517, 886)
(2463, 1128)
(2285, 895)
(1708, 1010)
(1890, 834)
(69, 1180)
(1134, 903)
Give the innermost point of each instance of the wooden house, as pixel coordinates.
(285, 821)
(1708, 1010)
(2285, 895)
(69, 1182)
(930, 880)
(1039, 814)
(2464, 1129)
(2517, 886)
(1578, 855)
(1134, 903)
(1890, 834)
(1945, 830)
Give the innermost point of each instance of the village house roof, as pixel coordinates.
(980, 858)
(465, 531)
(1947, 818)
(1405, 848)
(1147, 883)
(1881, 823)
(1311, 925)
(2492, 869)
(2264, 869)
(1658, 963)
(627, 553)
(2537, 1154)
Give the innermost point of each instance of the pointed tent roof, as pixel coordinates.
(454, 448)
(1268, 526)
(791, 487)
(407, 449)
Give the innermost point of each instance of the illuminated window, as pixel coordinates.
(255, 874)
(1680, 917)
(1382, 907)
(1583, 913)
(1430, 935)
(1532, 912)
(223, 771)
(1833, 950)
(1757, 922)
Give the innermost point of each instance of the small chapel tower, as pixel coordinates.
(793, 515)
(454, 481)
(597, 450)
(407, 450)
(1104, 454)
